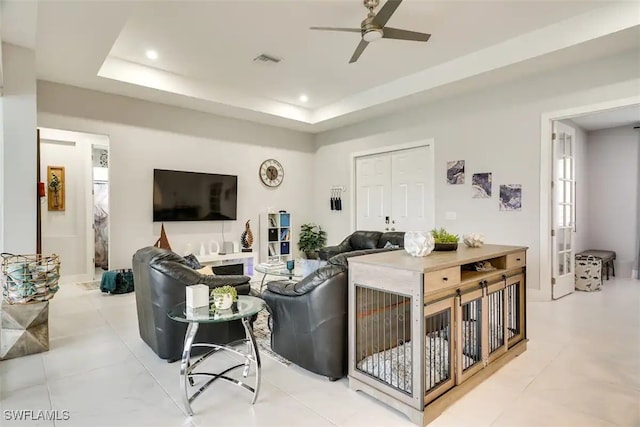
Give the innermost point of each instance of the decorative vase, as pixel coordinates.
(446, 246)
(246, 238)
(222, 301)
(418, 243)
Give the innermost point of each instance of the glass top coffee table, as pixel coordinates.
(282, 272)
(243, 309)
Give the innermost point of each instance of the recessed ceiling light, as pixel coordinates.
(304, 98)
(152, 54)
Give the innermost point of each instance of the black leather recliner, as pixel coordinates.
(309, 318)
(360, 240)
(160, 278)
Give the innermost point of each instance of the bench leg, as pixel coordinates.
(613, 268)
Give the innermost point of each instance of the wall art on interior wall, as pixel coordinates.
(481, 185)
(455, 172)
(56, 187)
(511, 197)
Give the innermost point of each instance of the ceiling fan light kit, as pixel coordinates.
(373, 27)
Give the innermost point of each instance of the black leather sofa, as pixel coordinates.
(309, 318)
(160, 278)
(360, 240)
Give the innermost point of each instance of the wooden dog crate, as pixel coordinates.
(423, 331)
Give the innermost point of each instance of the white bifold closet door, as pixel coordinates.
(395, 190)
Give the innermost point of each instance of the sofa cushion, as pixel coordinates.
(365, 239)
(393, 237)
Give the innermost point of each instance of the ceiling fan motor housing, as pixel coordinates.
(371, 30)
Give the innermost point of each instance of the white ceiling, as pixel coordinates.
(626, 116)
(206, 50)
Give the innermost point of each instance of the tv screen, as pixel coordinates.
(193, 196)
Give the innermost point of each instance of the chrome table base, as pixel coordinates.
(187, 368)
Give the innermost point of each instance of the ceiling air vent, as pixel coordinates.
(266, 58)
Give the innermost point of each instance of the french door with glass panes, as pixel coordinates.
(564, 210)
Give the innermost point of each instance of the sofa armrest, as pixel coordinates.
(329, 251)
(306, 285)
(283, 287)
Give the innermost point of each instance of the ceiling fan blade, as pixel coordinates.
(386, 11)
(395, 33)
(363, 44)
(349, 30)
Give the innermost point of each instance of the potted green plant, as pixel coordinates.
(312, 238)
(444, 240)
(223, 297)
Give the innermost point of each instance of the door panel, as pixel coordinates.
(411, 183)
(563, 212)
(373, 183)
(397, 185)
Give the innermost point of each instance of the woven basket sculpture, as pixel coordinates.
(29, 278)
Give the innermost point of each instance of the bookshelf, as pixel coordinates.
(275, 237)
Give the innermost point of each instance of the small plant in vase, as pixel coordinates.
(444, 240)
(312, 238)
(223, 297)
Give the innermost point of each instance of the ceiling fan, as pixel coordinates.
(373, 27)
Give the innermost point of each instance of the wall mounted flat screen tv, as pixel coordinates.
(193, 196)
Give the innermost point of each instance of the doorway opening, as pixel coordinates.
(100, 202)
(590, 190)
(74, 219)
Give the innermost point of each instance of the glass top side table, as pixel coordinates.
(282, 272)
(243, 309)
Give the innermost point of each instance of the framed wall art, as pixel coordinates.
(55, 187)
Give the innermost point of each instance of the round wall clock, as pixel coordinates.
(271, 173)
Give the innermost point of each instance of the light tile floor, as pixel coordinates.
(582, 368)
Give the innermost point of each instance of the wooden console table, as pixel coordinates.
(423, 331)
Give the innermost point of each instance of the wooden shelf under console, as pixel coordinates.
(453, 324)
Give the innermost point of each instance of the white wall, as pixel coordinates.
(613, 185)
(144, 136)
(582, 187)
(495, 130)
(19, 150)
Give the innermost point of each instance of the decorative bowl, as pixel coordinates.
(446, 247)
(473, 240)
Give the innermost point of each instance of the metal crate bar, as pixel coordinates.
(437, 349)
(383, 337)
(471, 333)
(496, 322)
(513, 310)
